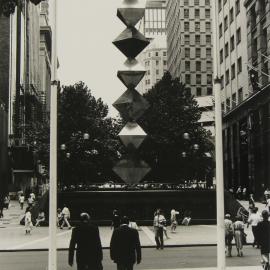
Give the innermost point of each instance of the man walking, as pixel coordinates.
(159, 221)
(87, 240)
(125, 247)
(263, 237)
(66, 217)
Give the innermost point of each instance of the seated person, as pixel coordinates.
(40, 218)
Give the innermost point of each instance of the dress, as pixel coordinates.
(28, 221)
(238, 227)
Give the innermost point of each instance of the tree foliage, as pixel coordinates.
(174, 111)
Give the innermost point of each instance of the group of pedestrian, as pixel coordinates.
(125, 247)
(30, 200)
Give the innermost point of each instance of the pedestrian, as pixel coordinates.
(28, 221)
(238, 228)
(239, 193)
(30, 201)
(165, 229)
(59, 217)
(1, 207)
(65, 216)
(263, 236)
(21, 200)
(251, 203)
(32, 195)
(40, 218)
(266, 194)
(85, 239)
(159, 220)
(228, 234)
(187, 218)
(267, 204)
(133, 224)
(174, 214)
(244, 193)
(253, 220)
(115, 220)
(125, 247)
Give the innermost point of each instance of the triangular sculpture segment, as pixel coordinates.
(131, 171)
(131, 105)
(130, 78)
(131, 42)
(130, 16)
(132, 135)
(133, 4)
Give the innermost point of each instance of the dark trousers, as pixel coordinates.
(83, 266)
(254, 231)
(159, 237)
(126, 266)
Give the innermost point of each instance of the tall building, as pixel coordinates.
(154, 57)
(154, 21)
(190, 51)
(232, 52)
(246, 122)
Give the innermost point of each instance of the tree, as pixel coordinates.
(91, 159)
(174, 111)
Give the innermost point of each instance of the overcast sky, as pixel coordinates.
(86, 29)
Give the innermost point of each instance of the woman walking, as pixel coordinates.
(238, 228)
(28, 221)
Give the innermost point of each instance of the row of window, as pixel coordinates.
(198, 52)
(197, 13)
(233, 71)
(198, 66)
(147, 63)
(198, 78)
(196, 2)
(230, 105)
(199, 92)
(198, 39)
(164, 53)
(237, 6)
(148, 72)
(197, 26)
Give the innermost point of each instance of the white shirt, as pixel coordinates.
(21, 199)
(254, 219)
(158, 220)
(66, 212)
(268, 203)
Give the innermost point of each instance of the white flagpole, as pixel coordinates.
(52, 258)
(221, 262)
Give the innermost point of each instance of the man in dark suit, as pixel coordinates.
(89, 250)
(125, 247)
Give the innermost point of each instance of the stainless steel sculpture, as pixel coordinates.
(131, 104)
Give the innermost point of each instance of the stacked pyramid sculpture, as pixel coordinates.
(131, 105)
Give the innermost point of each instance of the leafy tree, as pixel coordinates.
(174, 111)
(91, 159)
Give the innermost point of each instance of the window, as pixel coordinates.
(232, 43)
(149, 54)
(233, 71)
(186, 2)
(238, 35)
(237, 7)
(222, 107)
(198, 52)
(209, 78)
(197, 2)
(207, 2)
(187, 78)
(225, 23)
(221, 56)
(157, 62)
(198, 66)
(187, 52)
(186, 13)
(197, 13)
(239, 65)
(164, 53)
(198, 91)
(226, 50)
(208, 39)
(198, 78)
(240, 95)
(197, 39)
(197, 26)
(187, 39)
(219, 5)
(148, 72)
(222, 82)
(228, 104)
(209, 91)
(207, 13)
(233, 100)
(157, 71)
(208, 65)
(187, 65)
(156, 53)
(220, 30)
(186, 26)
(231, 15)
(208, 26)
(208, 52)
(227, 77)
(164, 62)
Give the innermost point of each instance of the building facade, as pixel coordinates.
(246, 125)
(190, 51)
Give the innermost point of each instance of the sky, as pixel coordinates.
(86, 29)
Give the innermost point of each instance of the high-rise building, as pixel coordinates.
(232, 52)
(154, 20)
(190, 51)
